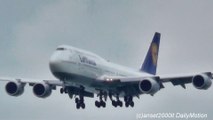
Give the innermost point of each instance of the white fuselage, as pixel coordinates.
(78, 67)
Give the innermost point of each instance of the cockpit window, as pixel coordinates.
(60, 49)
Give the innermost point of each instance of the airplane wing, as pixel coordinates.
(115, 84)
(150, 85)
(182, 80)
(127, 87)
(41, 88)
(32, 82)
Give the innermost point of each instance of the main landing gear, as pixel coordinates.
(103, 97)
(80, 102)
(128, 101)
(101, 102)
(116, 102)
(79, 98)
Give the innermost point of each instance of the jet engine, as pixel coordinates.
(202, 81)
(42, 90)
(14, 88)
(149, 86)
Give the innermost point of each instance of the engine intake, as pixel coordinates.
(14, 88)
(42, 90)
(149, 86)
(202, 81)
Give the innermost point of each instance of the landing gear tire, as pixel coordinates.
(103, 104)
(127, 104)
(79, 100)
(128, 101)
(83, 105)
(131, 104)
(79, 103)
(76, 100)
(120, 103)
(117, 102)
(100, 104)
(114, 103)
(65, 91)
(78, 106)
(62, 90)
(97, 104)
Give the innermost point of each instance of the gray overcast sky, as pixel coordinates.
(118, 30)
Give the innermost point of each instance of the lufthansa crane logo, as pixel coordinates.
(154, 52)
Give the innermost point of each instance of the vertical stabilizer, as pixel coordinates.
(151, 60)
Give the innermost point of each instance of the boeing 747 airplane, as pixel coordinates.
(83, 74)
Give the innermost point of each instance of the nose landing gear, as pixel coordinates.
(63, 90)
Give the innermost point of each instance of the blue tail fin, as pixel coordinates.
(151, 60)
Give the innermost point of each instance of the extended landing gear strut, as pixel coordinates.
(101, 102)
(116, 102)
(80, 101)
(128, 101)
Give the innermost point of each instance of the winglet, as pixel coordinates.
(150, 62)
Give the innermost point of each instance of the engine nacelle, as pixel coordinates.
(14, 88)
(202, 81)
(42, 90)
(149, 86)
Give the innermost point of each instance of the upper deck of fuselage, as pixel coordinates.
(79, 51)
(109, 65)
